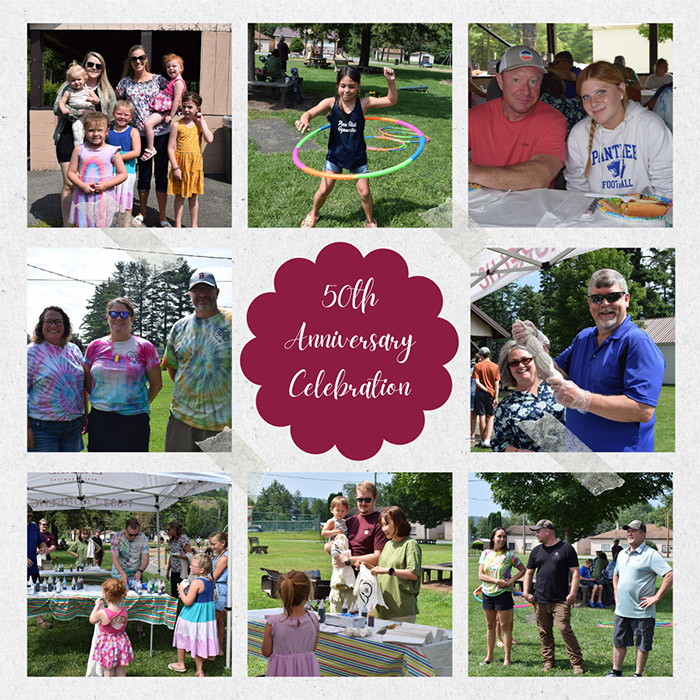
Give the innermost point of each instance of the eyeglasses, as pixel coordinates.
(610, 297)
(91, 64)
(117, 314)
(522, 361)
(53, 321)
(138, 59)
(367, 499)
(131, 535)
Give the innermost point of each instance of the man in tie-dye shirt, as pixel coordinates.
(198, 360)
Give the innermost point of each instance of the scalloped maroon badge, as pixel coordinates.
(349, 351)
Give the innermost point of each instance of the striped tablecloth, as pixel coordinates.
(339, 655)
(150, 608)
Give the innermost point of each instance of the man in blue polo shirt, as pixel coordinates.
(634, 583)
(611, 374)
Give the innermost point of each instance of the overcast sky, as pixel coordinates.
(91, 266)
(317, 485)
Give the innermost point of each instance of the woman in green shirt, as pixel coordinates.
(398, 568)
(79, 548)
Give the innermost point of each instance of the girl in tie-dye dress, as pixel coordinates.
(195, 630)
(94, 169)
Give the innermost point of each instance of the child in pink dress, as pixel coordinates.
(113, 649)
(291, 637)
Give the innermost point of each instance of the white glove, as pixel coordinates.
(569, 394)
(521, 330)
(525, 333)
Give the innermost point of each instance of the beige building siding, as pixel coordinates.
(215, 76)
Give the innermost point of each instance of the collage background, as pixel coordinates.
(442, 255)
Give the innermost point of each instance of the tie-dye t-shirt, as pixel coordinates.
(199, 350)
(130, 552)
(119, 374)
(497, 565)
(55, 381)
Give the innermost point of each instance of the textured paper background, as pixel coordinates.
(442, 255)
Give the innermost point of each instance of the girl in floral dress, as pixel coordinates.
(113, 648)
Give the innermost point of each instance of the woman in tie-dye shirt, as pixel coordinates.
(124, 377)
(56, 404)
(495, 567)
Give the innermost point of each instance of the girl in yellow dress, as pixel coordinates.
(186, 175)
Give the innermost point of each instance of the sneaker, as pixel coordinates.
(137, 220)
(485, 444)
(612, 674)
(600, 605)
(591, 604)
(547, 667)
(578, 670)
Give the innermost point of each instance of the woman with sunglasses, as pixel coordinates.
(530, 399)
(56, 402)
(97, 79)
(124, 377)
(139, 86)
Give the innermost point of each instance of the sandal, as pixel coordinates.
(44, 623)
(485, 662)
(199, 674)
(173, 667)
(165, 224)
(137, 220)
(148, 153)
(371, 224)
(310, 220)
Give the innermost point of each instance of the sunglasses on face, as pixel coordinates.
(138, 59)
(91, 64)
(610, 297)
(522, 361)
(131, 535)
(366, 499)
(117, 314)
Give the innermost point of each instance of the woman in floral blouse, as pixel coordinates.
(178, 549)
(530, 400)
(139, 86)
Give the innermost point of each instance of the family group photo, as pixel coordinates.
(127, 574)
(131, 352)
(114, 113)
(350, 574)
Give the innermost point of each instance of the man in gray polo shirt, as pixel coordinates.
(634, 583)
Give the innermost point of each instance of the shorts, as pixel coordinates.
(64, 145)
(503, 601)
(634, 631)
(180, 437)
(109, 431)
(337, 169)
(483, 403)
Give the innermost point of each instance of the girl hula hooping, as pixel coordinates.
(291, 637)
(346, 141)
(166, 102)
(184, 150)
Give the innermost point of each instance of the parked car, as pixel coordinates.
(425, 63)
(254, 528)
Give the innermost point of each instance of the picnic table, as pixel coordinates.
(544, 208)
(316, 62)
(151, 608)
(339, 655)
(282, 85)
(441, 569)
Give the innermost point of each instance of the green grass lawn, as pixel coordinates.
(63, 650)
(304, 551)
(596, 642)
(664, 427)
(280, 195)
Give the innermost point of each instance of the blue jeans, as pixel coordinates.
(56, 435)
(337, 169)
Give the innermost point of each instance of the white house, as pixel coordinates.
(655, 534)
(610, 40)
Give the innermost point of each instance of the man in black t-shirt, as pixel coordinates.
(553, 560)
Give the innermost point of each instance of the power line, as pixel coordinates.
(51, 272)
(160, 252)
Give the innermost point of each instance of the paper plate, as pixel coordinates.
(473, 186)
(657, 197)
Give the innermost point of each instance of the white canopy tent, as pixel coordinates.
(130, 491)
(500, 266)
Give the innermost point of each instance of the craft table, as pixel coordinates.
(544, 208)
(91, 575)
(339, 655)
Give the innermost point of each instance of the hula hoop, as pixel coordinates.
(388, 130)
(357, 176)
(478, 590)
(386, 138)
(657, 624)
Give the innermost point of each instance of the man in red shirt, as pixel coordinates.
(517, 142)
(366, 540)
(487, 379)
